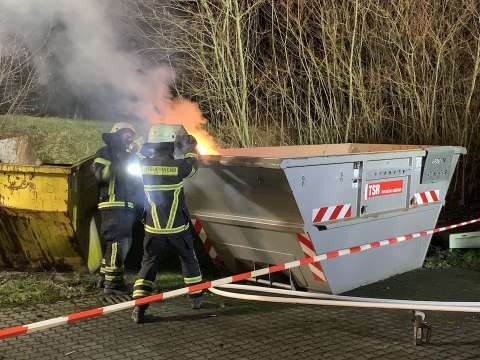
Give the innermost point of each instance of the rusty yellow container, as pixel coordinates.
(45, 213)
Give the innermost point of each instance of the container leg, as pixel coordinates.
(422, 330)
(292, 283)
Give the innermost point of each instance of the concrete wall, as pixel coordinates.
(18, 150)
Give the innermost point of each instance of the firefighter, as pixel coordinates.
(169, 158)
(118, 193)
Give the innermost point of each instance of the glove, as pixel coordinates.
(135, 146)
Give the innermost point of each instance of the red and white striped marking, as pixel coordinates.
(69, 319)
(309, 251)
(330, 213)
(427, 197)
(205, 240)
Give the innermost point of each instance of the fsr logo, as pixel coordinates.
(383, 188)
(373, 190)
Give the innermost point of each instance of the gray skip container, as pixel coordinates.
(265, 206)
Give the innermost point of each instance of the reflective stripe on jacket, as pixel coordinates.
(163, 184)
(118, 189)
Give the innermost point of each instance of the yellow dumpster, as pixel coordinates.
(45, 214)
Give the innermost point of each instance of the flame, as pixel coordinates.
(205, 149)
(180, 111)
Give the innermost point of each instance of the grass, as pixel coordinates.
(164, 280)
(23, 289)
(438, 258)
(65, 141)
(41, 288)
(56, 140)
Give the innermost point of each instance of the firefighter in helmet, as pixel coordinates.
(118, 195)
(169, 157)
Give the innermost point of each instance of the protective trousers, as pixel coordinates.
(153, 246)
(116, 232)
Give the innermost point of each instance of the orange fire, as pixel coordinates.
(183, 112)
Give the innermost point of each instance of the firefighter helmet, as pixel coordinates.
(164, 133)
(122, 125)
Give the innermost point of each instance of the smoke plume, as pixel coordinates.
(83, 48)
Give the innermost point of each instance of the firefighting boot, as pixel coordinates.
(138, 314)
(196, 302)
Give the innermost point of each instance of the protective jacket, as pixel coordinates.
(166, 211)
(117, 188)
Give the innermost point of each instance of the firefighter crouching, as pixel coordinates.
(118, 194)
(170, 157)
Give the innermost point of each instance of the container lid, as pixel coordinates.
(289, 152)
(272, 157)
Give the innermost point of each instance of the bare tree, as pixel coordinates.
(18, 78)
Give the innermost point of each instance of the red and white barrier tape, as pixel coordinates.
(72, 318)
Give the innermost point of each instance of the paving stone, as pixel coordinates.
(240, 330)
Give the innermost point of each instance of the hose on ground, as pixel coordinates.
(299, 297)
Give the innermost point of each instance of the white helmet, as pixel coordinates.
(122, 125)
(165, 133)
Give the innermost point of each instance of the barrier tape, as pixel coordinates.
(87, 314)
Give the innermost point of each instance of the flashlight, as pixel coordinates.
(134, 169)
